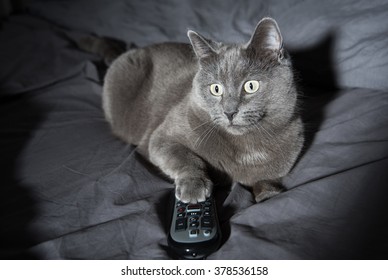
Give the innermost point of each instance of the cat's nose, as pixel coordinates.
(230, 115)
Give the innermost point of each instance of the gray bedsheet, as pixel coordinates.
(71, 190)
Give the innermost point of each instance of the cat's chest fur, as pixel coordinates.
(242, 157)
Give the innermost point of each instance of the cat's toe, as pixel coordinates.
(193, 190)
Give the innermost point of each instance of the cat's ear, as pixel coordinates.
(202, 47)
(267, 36)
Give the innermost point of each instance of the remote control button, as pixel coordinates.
(180, 224)
(207, 233)
(193, 207)
(206, 223)
(206, 208)
(180, 215)
(208, 203)
(193, 219)
(206, 214)
(194, 214)
(194, 224)
(181, 210)
(193, 233)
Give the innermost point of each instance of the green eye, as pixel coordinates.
(216, 89)
(251, 86)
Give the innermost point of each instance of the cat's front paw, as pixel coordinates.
(193, 189)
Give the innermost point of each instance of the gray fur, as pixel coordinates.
(158, 98)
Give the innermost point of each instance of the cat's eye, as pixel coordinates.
(251, 86)
(216, 89)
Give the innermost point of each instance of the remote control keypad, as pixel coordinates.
(198, 218)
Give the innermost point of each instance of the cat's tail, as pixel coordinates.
(107, 48)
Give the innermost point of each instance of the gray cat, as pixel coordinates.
(209, 105)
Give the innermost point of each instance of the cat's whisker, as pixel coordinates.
(201, 137)
(195, 128)
(274, 141)
(207, 132)
(214, 128)
(266, 134)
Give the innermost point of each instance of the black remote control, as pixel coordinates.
(194, 230)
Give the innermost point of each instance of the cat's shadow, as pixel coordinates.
(317, 83)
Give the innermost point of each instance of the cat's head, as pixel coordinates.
(243, 86)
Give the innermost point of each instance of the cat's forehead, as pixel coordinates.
(230, 56)
(235, 63)
(233, 60)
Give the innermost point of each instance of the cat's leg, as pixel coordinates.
(264, 190)
(187, 169)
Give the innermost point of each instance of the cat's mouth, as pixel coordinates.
(236, 129)
(242, 128)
